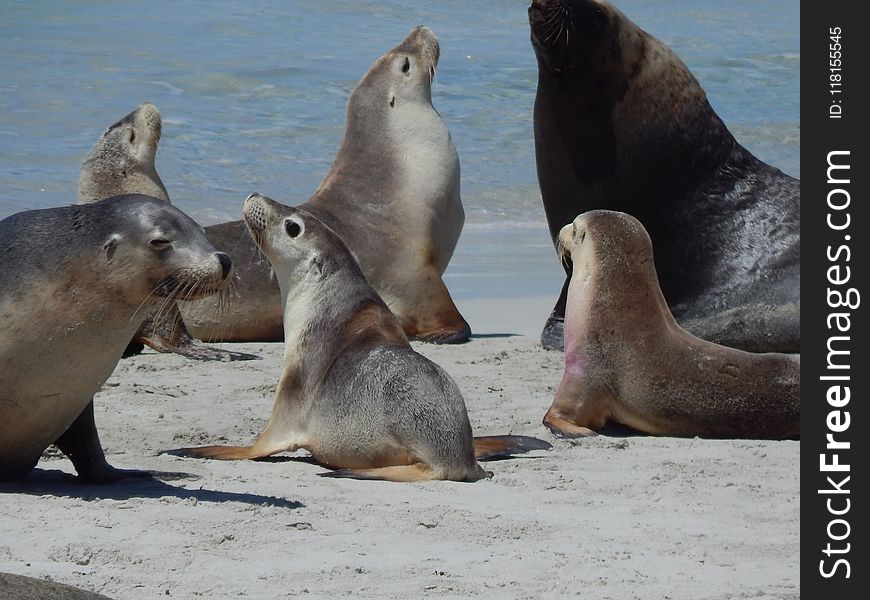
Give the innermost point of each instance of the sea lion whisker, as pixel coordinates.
(562, 251)
(149, 298)
(157, 316)
(191, 290)
(552, 13)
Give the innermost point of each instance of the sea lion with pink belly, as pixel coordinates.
(627, 360)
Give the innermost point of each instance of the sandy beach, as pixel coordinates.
(617, 516)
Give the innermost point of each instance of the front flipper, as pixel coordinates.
(170, 335)
(580, 409)
(502, 446)
(397, 473)
(81, 444)
(563, 429)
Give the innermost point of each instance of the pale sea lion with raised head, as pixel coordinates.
(75, 285)
(392, 194)
(627, 360)
(353, 392)
(123, 161)
(621, 124)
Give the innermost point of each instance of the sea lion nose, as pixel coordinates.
(226, 263)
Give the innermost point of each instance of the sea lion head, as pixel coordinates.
(122, 160)
(401, 77)
(592, 43)
(298, 245)
(605, 241)
(573, 35)
(146, 235)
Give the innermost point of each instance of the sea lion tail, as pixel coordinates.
(502, 446)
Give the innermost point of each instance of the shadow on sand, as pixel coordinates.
(41, 482)
(492, 336)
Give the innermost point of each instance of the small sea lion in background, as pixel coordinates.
(353, 392)
(75, 285)
(122, 162)
(19, 587)
(627, 360)
(621, 124)
(392, 194)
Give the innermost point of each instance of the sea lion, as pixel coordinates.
(392, 194)
(627, 360)
(121, 162)
(75, 285)
(19, 587)
(353, 392)
(620, 123)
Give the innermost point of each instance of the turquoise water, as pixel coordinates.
(253, 96)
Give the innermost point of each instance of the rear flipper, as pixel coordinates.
(503, 446)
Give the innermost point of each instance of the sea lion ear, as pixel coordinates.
(110, 244)
(316, 264)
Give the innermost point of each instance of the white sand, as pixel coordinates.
(608, 517)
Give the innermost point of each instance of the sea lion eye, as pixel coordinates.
(292, 227)
(158, 243)
(406, 66)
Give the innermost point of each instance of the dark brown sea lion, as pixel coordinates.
(621, 124)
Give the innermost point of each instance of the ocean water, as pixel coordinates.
(253, 95)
